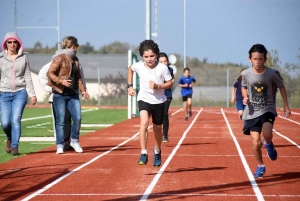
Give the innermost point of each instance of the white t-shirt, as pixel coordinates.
(157, 75)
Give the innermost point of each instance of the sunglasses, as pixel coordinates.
(14, 42)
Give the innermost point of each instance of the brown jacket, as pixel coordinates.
(60, 69)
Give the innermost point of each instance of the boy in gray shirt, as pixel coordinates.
(259, 87)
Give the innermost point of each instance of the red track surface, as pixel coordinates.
(201, 162)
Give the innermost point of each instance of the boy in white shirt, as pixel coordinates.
(151, 97)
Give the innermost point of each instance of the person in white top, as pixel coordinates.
(151, 97)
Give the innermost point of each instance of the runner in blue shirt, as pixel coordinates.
(186, 82)
(163, 58)
(236, 95)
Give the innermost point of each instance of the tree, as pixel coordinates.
(86, 49)
(115, 47)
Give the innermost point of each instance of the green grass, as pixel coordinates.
(45, 129)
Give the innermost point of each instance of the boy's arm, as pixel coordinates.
(166, 85)
(129, 81)
(245, 96)
(232, 94)
(286, 108)
(182, 85)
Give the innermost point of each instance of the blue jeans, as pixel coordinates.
(60, 102)
(12, 107)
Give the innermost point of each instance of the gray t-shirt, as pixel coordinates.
(262, 90)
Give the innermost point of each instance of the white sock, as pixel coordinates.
(156, 151)
(144, 151)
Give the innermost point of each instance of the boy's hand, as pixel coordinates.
(287, 111)
(191, 85)
(152, 85)
(232, 100)
(185, 85)
(131, 91)
(245, 101)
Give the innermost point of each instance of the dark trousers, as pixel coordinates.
(166, 116)
(67, 127)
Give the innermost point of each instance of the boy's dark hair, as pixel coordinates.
(162, 54)
(148, 45)
(186, 68)
(258, 48)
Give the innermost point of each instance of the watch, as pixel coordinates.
(129, 85)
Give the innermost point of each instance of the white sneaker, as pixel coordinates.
(76, 147)
(59, 151)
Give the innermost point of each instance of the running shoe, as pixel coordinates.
(76, 147)
(59, 150)
(67, 146)
(143, 159)
(260, 171)
(186, 118)
(190, 113)
(165, 138)
(156, 158)
(272, 153)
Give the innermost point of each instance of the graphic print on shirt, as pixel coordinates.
(259, 96)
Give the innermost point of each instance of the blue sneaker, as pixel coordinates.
(156, 159)
(143, 159)
(272, 153)
(260, 171)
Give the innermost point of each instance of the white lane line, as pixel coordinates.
(167, 194)
(47, 116)
(255, 187)
(78, 168)
(289, 120)
(160, 172)
(296, 113)
(176, 112)
(200, 155)
(288, 139)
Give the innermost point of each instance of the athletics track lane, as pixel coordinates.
(25, 175)
(206, 166)
(116, 176)
(282, 179)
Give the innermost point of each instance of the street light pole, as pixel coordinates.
(148, 19)
(184, 33)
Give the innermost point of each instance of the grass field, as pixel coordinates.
(41, 125)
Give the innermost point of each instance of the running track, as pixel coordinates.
(207, 158)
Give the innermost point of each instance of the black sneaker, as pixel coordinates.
(67, 146)
(186, 118)
(165, 138)
(143, 159)
(156, 158)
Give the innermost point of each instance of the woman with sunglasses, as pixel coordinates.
(66, 80)
(15, 77)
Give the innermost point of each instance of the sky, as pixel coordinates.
(220, 30)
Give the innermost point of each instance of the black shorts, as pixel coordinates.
(184, 98)
(256, 124)
(154, 110)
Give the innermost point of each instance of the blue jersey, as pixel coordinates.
(238, 92)
(168, 92)
(186, 80)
